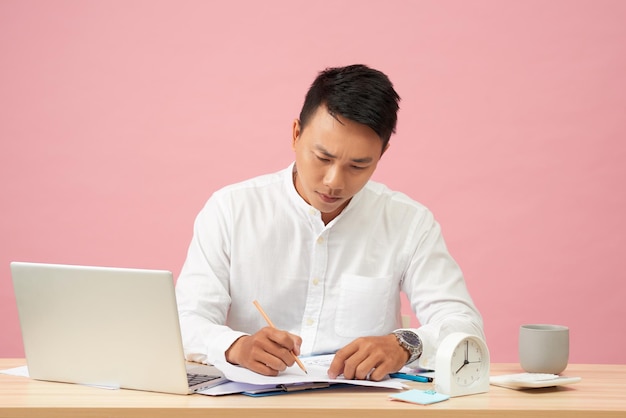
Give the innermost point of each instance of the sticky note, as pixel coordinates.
(421, 397)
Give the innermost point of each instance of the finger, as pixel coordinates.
(285, 357)
(264, 362)
(271, 361)
(272, 355)
(378, 367)
(297, 343)
(263, 369)
(380, 372)
(375, 366)
(278, 343)
(285, 339)
(335, 369)
(348, 359)
(359, 366)
(287, 345)
(338, 364)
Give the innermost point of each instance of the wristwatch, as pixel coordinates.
(411, 342)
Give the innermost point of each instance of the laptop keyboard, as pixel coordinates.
(196, 379)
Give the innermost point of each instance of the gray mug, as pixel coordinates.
(543, 348)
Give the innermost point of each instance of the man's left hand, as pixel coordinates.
(369, 358)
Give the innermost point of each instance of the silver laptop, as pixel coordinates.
(103, 326)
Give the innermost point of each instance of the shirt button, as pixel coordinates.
(309, 322)
(312, 211)
(316, 281)
(320, 240)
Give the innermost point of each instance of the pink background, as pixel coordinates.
(118, 119)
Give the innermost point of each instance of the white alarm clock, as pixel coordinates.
(462, 365)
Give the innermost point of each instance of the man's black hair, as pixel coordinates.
(355, 92)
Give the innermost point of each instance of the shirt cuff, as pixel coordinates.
(217, 350)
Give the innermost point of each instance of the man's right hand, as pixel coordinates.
(267, 352)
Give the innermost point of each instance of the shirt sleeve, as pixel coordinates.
(202, 289)
(437, 291)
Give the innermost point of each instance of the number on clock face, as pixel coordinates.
(467, 362)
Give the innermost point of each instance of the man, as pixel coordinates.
(324, 250)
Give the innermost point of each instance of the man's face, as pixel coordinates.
(335, 157)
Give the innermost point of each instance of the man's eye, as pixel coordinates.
(325, 160)
(356, 167)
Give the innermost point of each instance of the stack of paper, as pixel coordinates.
(244, 380)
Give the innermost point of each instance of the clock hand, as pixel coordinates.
(465, 363)
(466, 350)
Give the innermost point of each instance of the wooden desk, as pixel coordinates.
(602, 393)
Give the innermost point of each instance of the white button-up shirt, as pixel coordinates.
(329, 284)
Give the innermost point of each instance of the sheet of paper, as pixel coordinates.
(229, 388)
(16, 371)
(316, 366)
(23, 372)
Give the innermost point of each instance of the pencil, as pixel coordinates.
(271, 324)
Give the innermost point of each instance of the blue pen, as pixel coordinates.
(413, 377)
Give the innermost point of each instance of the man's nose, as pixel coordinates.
(334, 178)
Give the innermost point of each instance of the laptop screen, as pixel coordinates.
(101, 326)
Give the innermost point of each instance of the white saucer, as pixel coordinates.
(514, 381)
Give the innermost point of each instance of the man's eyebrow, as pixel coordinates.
(326, 153)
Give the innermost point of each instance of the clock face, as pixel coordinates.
(468, 365)
(462, 365)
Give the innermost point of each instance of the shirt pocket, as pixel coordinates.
(362, 305)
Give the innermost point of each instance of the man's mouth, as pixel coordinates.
(328, 199)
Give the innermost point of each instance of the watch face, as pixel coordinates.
(411, 338)
(467, 362)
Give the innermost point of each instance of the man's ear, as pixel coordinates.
(297, 130)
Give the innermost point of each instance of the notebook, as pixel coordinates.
(103, 326)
